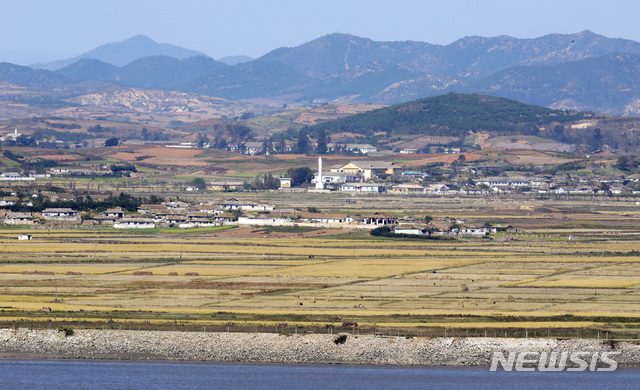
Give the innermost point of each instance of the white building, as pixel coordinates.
(134, 223)
(18, 219)
(60, 214)
(516, 181)
(11, 136)
(362, 148)
(13, 176)
(234, 204)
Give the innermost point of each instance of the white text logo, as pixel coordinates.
(555, 361)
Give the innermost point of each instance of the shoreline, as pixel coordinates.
(172, 346)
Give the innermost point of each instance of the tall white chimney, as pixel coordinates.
(320, 180)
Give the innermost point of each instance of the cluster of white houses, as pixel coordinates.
(365, 177)
(179, 214)
(253, 148)
(51, 215)
(16, 176)
(297, 218)
(241, 213)
(371, 177)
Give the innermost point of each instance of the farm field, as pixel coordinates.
(569, 265)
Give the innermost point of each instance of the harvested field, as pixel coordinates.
(162, 155)
(535, 275)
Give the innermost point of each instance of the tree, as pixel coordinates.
(606, 189)
(11, 156)
(596, 141)
(381, 231)
(300, 175)
(219, 140)
(270, 182)
(626, 163)
(282, 145)
(25, 141)
(266, 182)
(112, 142)
(559, 133)
(322, 142)
(199, 183)
(202, 140)
(237, 213)
(303, 146)
(267, 146)
(98, 129)
(239, 134)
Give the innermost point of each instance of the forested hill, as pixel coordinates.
(453, 115)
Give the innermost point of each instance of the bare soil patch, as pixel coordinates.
(446, 158)
(162, 156)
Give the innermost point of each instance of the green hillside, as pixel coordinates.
(453, 115)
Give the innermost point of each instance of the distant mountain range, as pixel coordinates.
(235, 60)
(122, 53)
(583, 71)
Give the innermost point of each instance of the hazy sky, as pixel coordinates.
(43, 30)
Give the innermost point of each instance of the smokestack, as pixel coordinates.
(320, 180)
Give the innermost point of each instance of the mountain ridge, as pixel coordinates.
(347, 68)
(123, 52)
(454, 59)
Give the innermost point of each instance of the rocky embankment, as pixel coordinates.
(276, 348)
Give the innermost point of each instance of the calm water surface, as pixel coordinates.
(64, 374)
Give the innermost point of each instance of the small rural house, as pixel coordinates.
(19, 219)
(60, 214)
(368, 170)
(134, 223)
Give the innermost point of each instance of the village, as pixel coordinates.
(354, 180)
(241, 213)
(372, 176)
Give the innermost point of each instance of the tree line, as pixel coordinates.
(81, 203)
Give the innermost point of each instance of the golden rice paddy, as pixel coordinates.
(538, 274)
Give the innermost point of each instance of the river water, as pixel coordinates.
(72, 374)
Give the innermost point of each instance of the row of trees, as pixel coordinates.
(261, 183)
(236, 136)
(123, 200)
(299, 176)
